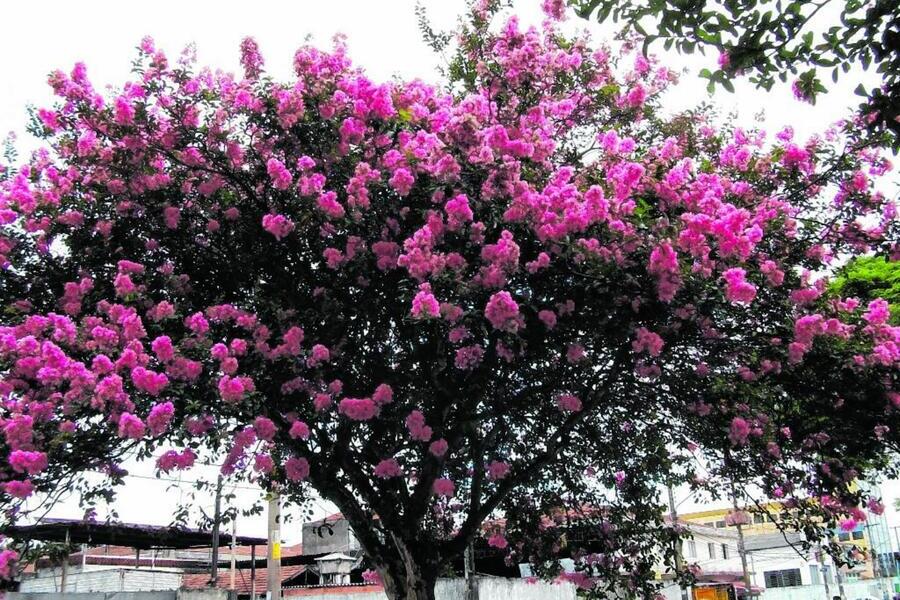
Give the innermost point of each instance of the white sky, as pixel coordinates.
(40, 36)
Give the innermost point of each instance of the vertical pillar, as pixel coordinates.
(217, 518)
(252, 571)
(273, 550)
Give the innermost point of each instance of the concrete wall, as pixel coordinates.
(105, 580)
(488, 588)
(853, 590)
(161, 595)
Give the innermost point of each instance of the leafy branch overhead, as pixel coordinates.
(810, 43)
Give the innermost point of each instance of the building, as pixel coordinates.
(768, 522)
(116, 557)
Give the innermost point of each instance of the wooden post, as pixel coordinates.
(233, 534)
(273, 550)
(217, 517)
(252, 571)
(741, 549)
(65, 566)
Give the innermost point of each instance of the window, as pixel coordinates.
(720, 524)
(712, 549)
(826, 571)
(844, 536)
(858, 535)
(759, 518)
(783, 578)
(710, 524)
(692, 549)
(814, 574)
(724, 550)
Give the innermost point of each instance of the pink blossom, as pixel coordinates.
(163, 348)
(548, 318)
(468, 357)
(402, 181)
(26, 461)
(647, 341)
(172, 216)
(664, 266)
(503, 312)
(263, 463)
(438, 447)
(233, 389)
(149, 381)
(328, 204)
(160, 417)
(383, 394)
(171, 460)
(878, 312)
(738, 289)
(387, 468)
(568, 403)
(848, 525)
(318, 354)
(497, 470)
(19, 489)
(278, 225)
(8, 559)
(296, 468)
(444, 487)
(424, 304)
(279, 174)
(265, 429)
(418, 430)
(497, 541)
(358, 409)
(739, 432)
(130, 426)
(299, 430)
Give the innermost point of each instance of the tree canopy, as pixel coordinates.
(525, 298)
(770, 40)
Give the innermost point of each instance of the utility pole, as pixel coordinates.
(876, 565)
(469, 571)
(837, 575)
(673, 515)
(741, 549)
(273, 550)
(252, 571)
(819, 555)
(65, 566)
(217, 518)
(233, 536)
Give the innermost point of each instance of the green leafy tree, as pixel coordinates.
(868, 278)
(769, 40)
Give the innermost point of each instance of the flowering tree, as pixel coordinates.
(527, 296)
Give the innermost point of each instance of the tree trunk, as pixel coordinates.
(405, 579)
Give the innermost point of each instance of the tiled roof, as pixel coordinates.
(242, 581)
(331, 589)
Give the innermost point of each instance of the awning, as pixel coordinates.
(131, 535)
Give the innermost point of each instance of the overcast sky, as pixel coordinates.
(40, 36)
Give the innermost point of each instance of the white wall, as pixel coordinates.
(104, 580)
(487, 588)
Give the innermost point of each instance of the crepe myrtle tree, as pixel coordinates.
(511, 307)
